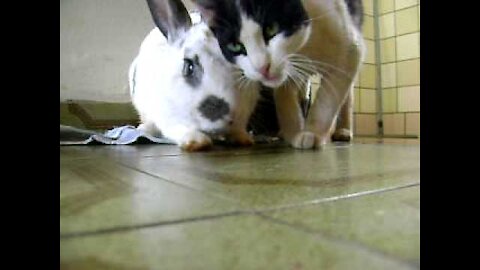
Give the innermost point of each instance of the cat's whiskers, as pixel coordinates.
(243, 84)
(242, 80)
(303, 59)
(325, 65)
(298, 78)
(326, 13)
(327, 86)
(238, 73)
(309, 71)
(304, 67)
(306, 74)
(290, 77)
(249, 84)
(303, 71)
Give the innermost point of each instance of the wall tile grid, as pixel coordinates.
(399, 37)
(365, 108)
(399, 34)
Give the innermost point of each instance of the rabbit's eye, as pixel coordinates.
(188, 67)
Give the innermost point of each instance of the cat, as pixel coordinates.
(280, 44)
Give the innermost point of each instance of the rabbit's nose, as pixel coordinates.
(213, 108)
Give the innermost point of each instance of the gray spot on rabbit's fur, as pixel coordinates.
(213, 108)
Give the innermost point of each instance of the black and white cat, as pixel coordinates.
(281, 44)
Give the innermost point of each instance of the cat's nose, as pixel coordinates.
(213, 108)
(265, 70)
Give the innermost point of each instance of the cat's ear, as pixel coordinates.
(208, 9)
(171, 17)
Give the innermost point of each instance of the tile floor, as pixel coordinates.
(350, 206)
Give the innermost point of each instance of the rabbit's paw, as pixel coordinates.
(195, 141)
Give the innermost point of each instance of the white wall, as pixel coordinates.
(98, 41)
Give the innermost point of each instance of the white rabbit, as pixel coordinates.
(182, 87)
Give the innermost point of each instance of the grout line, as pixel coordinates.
(399, 35)
(229, 214)
(337, 198)
(378, 70)
(396, 58)
(204, 192)
(407, 136)
(337, 240)
(400, 61)
(148, 225)
(400, 112)
(400, 9)
(365, 87)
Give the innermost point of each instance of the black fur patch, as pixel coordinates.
(355, 8)
(213, 108)
(263, 120)
(225, 21)
(289, 14)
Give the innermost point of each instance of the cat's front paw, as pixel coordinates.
(308, 140)
(342, 135)
(195, 141)
(241, 138)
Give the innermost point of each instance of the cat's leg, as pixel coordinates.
(240, 137)
(247, 101)
(290, 118)
(344, 127)
(334, 93)
(238, 134)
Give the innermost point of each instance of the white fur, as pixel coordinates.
(166, 103)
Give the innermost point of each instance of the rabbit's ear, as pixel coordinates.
(210, 9)
(171, 17)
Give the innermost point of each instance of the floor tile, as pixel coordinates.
(98, 195)
(387, 223)
(242, 242)
(289, 176)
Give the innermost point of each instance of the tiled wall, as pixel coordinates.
(399, 37)
(365, 106)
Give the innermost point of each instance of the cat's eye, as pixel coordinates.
(272, 30)
(188, 67)
(236, 47)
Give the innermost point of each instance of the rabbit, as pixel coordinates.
(182, 87)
